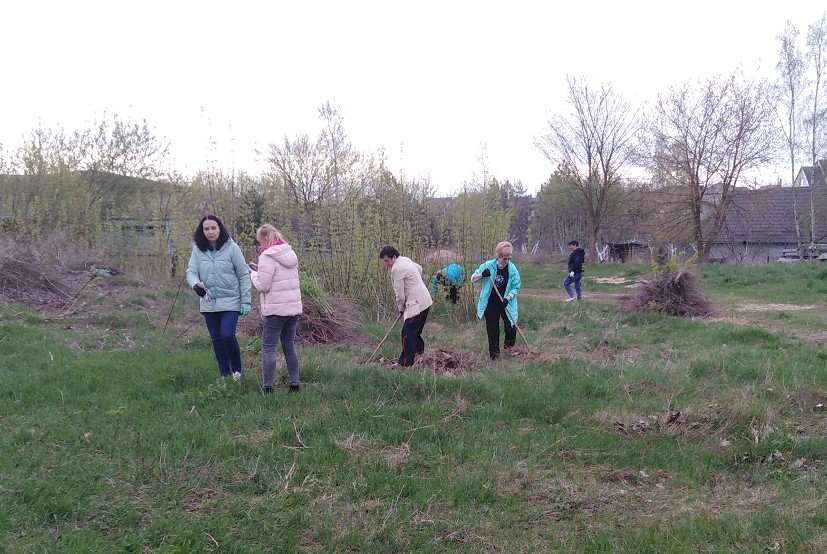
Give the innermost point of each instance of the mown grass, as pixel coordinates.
(638, 433)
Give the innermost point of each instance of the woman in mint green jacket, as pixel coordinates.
(502, 273)
(218, 274)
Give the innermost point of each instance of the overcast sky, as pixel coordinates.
(430, 82)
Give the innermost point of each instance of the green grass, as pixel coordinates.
(627, 433)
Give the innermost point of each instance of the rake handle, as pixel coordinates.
(510, 315)
(398, 317)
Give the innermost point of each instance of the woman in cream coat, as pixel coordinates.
(413, 301)
(276, 278)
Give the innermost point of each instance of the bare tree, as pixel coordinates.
(342, 157)
(300, 163)
(816, 120)
(705, 137)
(790, 67)
(591, 147)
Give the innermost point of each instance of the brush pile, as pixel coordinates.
(327, 320)
(444, 362)
(672, 292)
(25, 279)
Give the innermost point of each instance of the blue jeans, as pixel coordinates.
(221, 326)
(576, 280)
(279, 328)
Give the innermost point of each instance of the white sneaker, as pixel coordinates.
(237, 376)
(570, 299)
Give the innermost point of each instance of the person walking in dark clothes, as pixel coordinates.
(576, 260)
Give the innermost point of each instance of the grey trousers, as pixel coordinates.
(279, 328)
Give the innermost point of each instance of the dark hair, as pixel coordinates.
(201, 241)
(574, 243)
(388, 252)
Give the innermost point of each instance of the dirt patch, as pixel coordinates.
(443, 255)
(708, 423)
(774, 307)
(613, 280)
(525, 352)
(446, 362)
(396, 456)
(452, 363)
(605, 353)
(754, 314)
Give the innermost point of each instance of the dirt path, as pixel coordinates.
(742, 313)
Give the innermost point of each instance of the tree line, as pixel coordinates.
(663, 174)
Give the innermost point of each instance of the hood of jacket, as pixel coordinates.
(282, 254)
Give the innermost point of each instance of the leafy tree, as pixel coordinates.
(253, 212)
(117, 147)
(558, 215)
(482, 215)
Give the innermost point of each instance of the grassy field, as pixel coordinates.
(611, 432)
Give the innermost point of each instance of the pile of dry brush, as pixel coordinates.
(333, 319)
(25, 279)
(673, 292)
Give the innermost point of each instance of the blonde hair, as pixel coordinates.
(267, 234)
(503, 248)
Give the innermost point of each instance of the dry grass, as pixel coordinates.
(23, 277)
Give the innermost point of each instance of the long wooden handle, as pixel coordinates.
(510, 315)
(398, 317)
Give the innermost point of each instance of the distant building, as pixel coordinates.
(760, 224)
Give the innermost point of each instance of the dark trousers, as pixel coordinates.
(493, 313)
(453, 294)
(221, 326)
(412, 343)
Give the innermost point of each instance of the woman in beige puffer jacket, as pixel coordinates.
(276, 278)
(413, 301)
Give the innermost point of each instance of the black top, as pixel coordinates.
(501, 281)
(576, 260)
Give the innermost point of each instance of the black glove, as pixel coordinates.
(486, 272)
(505, 302)
(199, 290)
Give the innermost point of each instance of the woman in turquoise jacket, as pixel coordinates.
(218, 274)
(502, 271)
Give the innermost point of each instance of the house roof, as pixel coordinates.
(767, 215)
(815, 174)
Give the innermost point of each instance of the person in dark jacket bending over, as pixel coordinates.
(576, 260)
